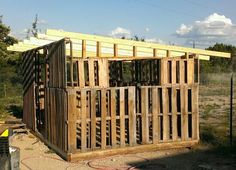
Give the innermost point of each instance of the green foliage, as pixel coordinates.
(10, 77)
(217, 64)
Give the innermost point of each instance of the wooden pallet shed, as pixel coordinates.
(88, 96)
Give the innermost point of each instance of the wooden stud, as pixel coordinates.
(168, 53)
(184, 112)
(190, 68)
(83, 48)
(98, 49)
(83, 121)
(144, 109)
(132, 116)
(181, 72)
(71, 121)
(113, 117)
(93, 118)
(81, 73)
(174, 114)
(122, 116)
(103, 118)
(155, 113)
(115, 50)
(173, 74)
(91, 73)
(134, 51)
(154, 52)
(166, 130)
(164, 71)
(195, 114)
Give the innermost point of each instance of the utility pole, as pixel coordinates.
(231, 103)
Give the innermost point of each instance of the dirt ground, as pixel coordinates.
(37, 156)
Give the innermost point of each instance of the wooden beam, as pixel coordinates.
(60, 33)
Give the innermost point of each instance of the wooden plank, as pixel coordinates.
(154, 52)
(173, 74)
(164, 72)
(144, 110)
(59, 33)
(71, 121)
(131, 150)
(132, 116)
(168, 53)
(113, 117)
(83, 48)
(134, 51)
(103, 118)
(103, 73)
(81, 73)
(184, 112)
(166, 130)
(155, 113)
(98, 49)
(181, 72)
(122, 116)
(91, 73)
(195, 114)
(83, 121)
(115, 50)
(190, 67)
(174, 114)
(93, 118)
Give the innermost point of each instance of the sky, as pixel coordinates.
(177, 22)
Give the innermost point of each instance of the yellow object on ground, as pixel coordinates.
(5, 133)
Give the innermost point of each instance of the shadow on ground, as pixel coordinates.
(16, 110)
(213, 158)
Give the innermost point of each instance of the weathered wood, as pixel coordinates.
(83, 121)
(81, 73)
(113, 117)
(83, 48)
(195, 114)
(132, 116)
(174, 114)
(184, 112)
(71, 122)
(144, 109)
(166, 129)
(122, 116)
(155, 113)
(103, 118)
(91, 73)
(190, 67)
(93, 119)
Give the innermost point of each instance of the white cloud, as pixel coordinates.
(147, 29)
(214, 28)
(120, 32)
(42, 22)
(155, 40)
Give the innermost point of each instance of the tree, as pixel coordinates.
(217, 64)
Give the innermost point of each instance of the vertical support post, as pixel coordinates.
(71, 122)
(103, 118)
(91, 73)
(155, 113)
(154, 52)
(184, 112)
(115, 50)
(83, 121)
(83, 48)
(134, 51)
(166, 130)
(122, 116)
(71, 65)
(98, 49)
(132, 116)
(93, 118)
(144, 109)
(113, 117)
(231, 111)
(174, 114)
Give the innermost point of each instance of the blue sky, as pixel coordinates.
(165, 21)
